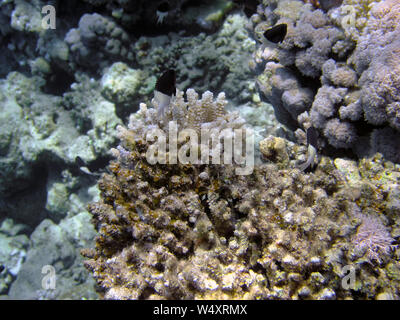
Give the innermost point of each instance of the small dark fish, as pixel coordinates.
(312, 137)
(329, 4)
(79, 162)
(249, 6)
(312, 148)
(163, 7)
(165, 89)
(166, 83)
(277, 33)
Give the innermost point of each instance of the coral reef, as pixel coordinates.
(200, 231)
(336, 70)
(91, 35)
(56, 246)
(63, 92)
(13, 246)
(40, 139)
(182, 14)
(41, 126)
(379, 68)
(95, 39)
(220, 62)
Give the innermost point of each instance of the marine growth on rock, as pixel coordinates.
(199, 193)
(200, 231)
(337, 69)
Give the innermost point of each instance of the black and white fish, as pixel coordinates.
(326, 5)
(164, 91)
(312, 144)
(249, 7)
(277, 33)
(162, 11)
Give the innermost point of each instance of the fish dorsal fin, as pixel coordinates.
(312, 137)
(166, 83)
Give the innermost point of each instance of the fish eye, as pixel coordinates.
(163, 6)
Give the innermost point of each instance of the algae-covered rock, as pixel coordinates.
(39, 133)
(13, 128)
(57, 200)
(56, 246)
(13, 247)
(349, 169)
(208, 15)
(274, 149)
(26, 17)
(120, 85)
(220, 62)
(40, 66)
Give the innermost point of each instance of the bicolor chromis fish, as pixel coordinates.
(312, 147)
(162, 11)
(277, 33)
(163, 6)
(249, 6)
(164, 91)
(329, 4)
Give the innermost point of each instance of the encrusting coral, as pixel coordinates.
(200, 231)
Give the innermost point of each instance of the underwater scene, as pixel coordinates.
(190, 150)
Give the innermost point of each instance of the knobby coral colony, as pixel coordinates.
(200, 231)
(336, 70)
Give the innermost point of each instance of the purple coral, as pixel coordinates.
(346, 84)
(373, 237)
(340, 134)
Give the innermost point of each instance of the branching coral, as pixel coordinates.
(373, 238)
(192, 113)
